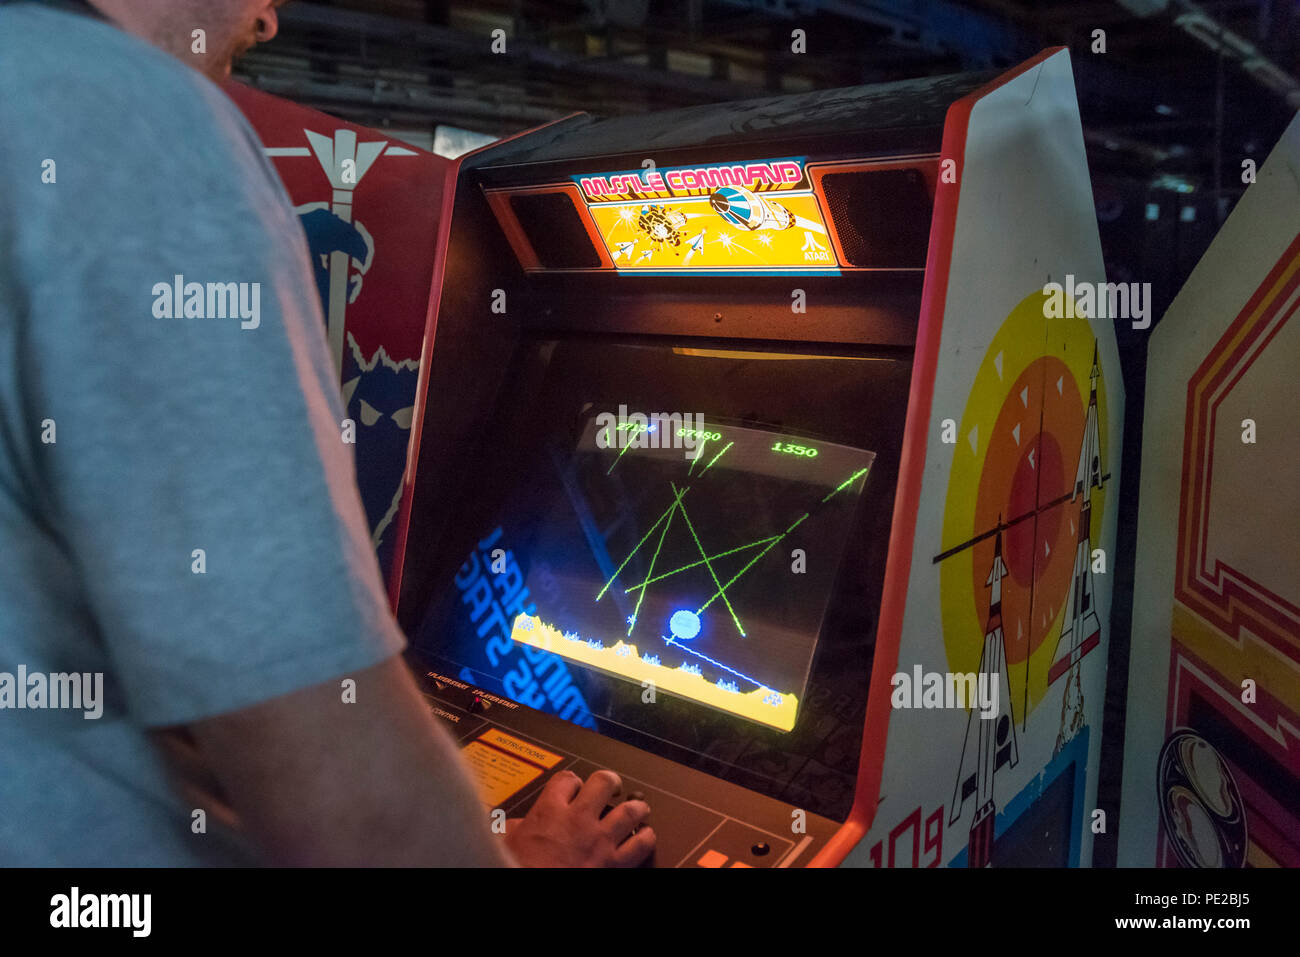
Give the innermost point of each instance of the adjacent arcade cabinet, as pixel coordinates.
(1212, 730)
(765, 453)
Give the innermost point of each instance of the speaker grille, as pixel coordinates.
(555, 230)
(882, 217)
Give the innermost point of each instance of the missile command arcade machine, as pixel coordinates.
(748, 438)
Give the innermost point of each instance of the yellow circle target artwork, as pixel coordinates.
(1024, 504)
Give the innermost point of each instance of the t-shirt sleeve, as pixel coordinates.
(198, 477)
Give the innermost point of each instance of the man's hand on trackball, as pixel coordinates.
(565, 829)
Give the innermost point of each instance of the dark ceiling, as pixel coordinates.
(1160, 99)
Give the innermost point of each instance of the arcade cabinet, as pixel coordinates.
(372, 253)
(766, 454)
(1212, 728)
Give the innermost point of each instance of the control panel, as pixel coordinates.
(699, 821)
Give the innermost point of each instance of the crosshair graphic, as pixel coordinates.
(685, 624)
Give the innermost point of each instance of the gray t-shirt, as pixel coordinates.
(177, 508)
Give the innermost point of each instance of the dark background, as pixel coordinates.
(1184, 93)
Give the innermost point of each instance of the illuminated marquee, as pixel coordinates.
(786, 174)
(754, 217)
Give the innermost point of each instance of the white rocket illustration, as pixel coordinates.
(990, 742)
(1080, 627)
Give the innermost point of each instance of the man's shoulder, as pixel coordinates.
(54, 63)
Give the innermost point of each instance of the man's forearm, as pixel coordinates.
(319, 781)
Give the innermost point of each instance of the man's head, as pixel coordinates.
(230, 28)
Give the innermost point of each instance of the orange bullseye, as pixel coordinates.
(1024, 472)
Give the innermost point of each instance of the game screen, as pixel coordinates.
(671, 544)
(678, 547)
